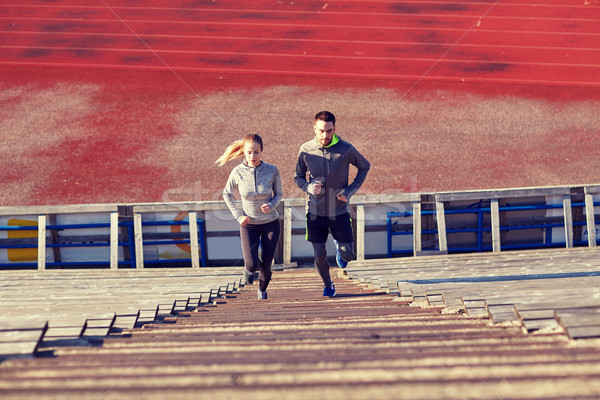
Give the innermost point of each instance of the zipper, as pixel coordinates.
(325, 174)
(255, 185)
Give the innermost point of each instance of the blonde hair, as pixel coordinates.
(236, 149)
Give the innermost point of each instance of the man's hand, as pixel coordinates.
(340, 196)
(315, 187)
(244, 220)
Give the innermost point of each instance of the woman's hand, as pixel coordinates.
(266, 208)
(244, 220)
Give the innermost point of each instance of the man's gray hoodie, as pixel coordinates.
(330, 165)
(257, 186)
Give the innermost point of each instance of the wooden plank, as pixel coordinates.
(300, 202)
(34, 325)
(578, 317)
(536, 314)
(126, 321)
(592, 189)
(69, 326)
(63, 209)
(435, 299)
(182, 206)
(382, 198)
(500, 313)
(536, 319)
(150, 314)
(590, 219)
(22, 337)
(18, 348)
(583, 332)
(404, 290)
(181, 305)
(91, 294)
(476, 307)
(502, 193)
(99, 326)
(532, 325)
(41, 242)
(419, 297)
(454, 302)
(530, 281)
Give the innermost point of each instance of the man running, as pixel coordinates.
(322, 172)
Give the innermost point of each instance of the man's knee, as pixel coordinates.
(320, 250)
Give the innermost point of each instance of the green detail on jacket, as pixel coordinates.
(334, 140)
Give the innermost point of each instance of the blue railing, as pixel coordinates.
(129, 243)
(480, 228)
(391, 233)
(201, 242)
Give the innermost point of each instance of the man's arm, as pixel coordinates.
(363, 166)
(277, 190)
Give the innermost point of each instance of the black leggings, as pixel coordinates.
(266, 236)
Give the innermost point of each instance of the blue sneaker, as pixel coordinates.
(329, 291)
(262, 295)
(338, 258)
(340, 261)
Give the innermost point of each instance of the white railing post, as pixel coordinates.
(495, 220)
(287, 234)
(139, 244)
(114, 240)
(194, 254)
(441, 225)
(590, 217)
(41, 249)
(416, 220)
(568, 220)
(360, 232)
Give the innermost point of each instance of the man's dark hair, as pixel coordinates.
(325, 116)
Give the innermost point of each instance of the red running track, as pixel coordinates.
(147, 55)
(550, 43)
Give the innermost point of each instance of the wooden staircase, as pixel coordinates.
(362, 344)
(551, 289)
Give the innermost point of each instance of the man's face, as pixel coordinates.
(324, 132)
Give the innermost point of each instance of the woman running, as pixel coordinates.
(259, 185)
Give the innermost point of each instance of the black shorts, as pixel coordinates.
(317, 228)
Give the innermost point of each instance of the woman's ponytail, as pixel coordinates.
(234, 150)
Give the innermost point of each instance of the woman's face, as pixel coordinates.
(252, 153)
